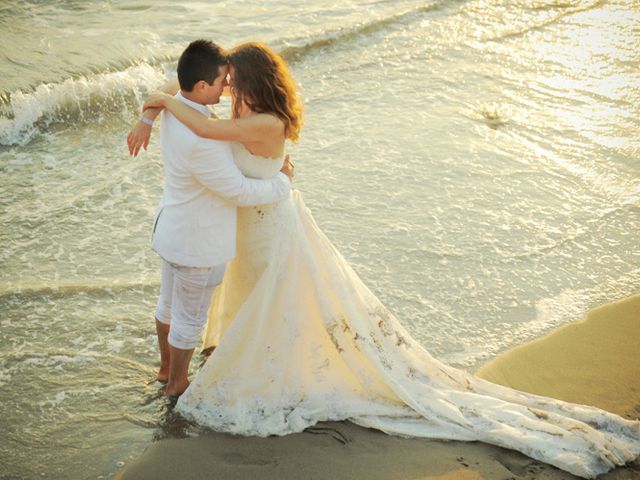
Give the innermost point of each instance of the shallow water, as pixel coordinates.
(476, 161)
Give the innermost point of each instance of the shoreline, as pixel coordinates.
(592, 361)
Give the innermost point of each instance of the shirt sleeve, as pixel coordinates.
(211, 162)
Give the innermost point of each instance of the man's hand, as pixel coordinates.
(287, 168)
(138, 137)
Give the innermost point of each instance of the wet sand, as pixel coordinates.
(594, 362)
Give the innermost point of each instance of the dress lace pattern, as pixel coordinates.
(300, 339)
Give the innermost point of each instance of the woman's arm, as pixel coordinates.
(255, 128)
(170, 88)
(141, 132)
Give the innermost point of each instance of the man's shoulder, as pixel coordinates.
(172, 126)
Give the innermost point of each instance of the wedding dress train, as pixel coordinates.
(300, 339)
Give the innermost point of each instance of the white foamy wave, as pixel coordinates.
(569, 305)
(28, 114)
(572, 305)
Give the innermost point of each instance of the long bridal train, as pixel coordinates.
(301, 339)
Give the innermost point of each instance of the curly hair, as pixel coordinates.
(262, 80)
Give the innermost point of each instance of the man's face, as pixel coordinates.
(212, 92)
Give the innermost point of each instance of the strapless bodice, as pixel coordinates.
(255, 166)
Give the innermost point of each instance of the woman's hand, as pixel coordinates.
(155, 100)
(288, 167)
(138, 137)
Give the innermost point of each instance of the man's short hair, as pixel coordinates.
(200, 61)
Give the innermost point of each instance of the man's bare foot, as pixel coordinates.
(176, 389)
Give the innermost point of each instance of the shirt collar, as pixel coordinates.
(198, 106)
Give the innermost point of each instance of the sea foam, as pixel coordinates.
(80, 99)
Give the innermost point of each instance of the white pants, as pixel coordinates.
(185, 295)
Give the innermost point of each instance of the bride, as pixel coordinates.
(300, 339)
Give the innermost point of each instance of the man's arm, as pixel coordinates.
(212, 164)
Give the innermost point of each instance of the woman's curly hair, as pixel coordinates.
(263, 82)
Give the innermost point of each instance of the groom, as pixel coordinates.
(195, 226)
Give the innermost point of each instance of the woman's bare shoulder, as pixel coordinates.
(268, 121)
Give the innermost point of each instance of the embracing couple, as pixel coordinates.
(195, 227)
(298, 337)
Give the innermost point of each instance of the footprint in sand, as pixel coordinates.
(240, 459)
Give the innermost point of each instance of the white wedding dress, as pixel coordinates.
(300, 339)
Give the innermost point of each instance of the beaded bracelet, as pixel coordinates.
(146, 121)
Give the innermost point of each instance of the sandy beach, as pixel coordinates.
(593, 361)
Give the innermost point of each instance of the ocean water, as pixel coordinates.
(477, 162)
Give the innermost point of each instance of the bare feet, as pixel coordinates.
(176, 389)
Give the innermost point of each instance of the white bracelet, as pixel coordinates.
(146, 121)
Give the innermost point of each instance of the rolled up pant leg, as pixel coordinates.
(191, 292)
